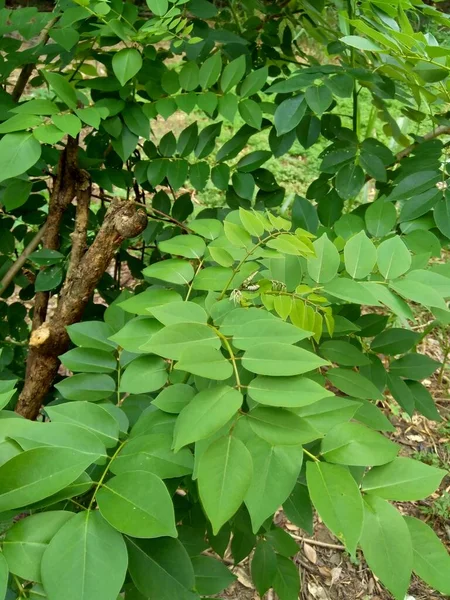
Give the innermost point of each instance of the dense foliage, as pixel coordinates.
(231, 360)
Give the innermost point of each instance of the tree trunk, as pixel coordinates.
(49, 340)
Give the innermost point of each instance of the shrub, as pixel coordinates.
(243, 371)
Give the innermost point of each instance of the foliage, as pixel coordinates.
(243, 371)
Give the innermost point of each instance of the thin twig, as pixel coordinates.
(26, 71)
(18, 264)
(317, 542)
(431, 135)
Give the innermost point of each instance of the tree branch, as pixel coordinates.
(18, 264)
(79, 235)
(431, 135)
(26, 71)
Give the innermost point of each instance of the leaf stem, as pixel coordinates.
(232, 357)
(105, 472)
(200, 264)
(311, 456)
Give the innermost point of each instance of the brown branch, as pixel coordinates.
(18, 264)
(64, 190)
(79, 235)
(122, 220)
(431, 135)
(26, 71)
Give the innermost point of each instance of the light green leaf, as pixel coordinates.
(62, 88)
(87, 386)
(289, 392)
(91, 554)
(206, 362)
(125, 502)
(324, 266)
(89, 360)
(188, 246)
(337, 499)
(380, 218)
(280, 359)
(224, 476)
(208, 228)
(257, 332)
(213, 279)
(92, 334)
(431, 560)
(351, 291)
(144, 374)
(419, 292)
(136, 333)
(356, 41)
(18, 153)
(355, 445)
(126, 63)
(42, 472)
(26, 541)
(180, 312)
(393, 258)
(360, 256)
(171, 341)
(327, 413)
(353, 384)
(174, 398)
(4, 574)
(142, 304)
(403, 479)
(275, 472)
(281, 427)
(205, 414)
(172, 270)
(387, 546)
(68, 123)
(153, 453)
(92, 417)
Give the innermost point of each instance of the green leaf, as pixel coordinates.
(211, 575)
(210, 71)
(324, 266)
(4, 574)
(213, 279)
(276, 330)
(69, 123)
(26, 541)
(337, 499)
(290, 392)
(48, 279)
(328, 412)
(414, 366)
(419, 292)
(36, 107)
(275, 472)
(174, 398)
(224, 476)
(206, 362)
(441, 215)
(298, 508)
(403, 479)
(205, 414)
(233, 73)
(431, 561)
(89, 360)
(287, 579)
(161, 569)
(343, 353)
(280, 359)
(278, 426)
(124, 501)
(92, 417)
(172, 270)
(92, 556)
(199, 174)
(143, 303)
(172, 340)
(353, 384)
(153, 453)
(423, 400)
(380, 218)
(254, 82)
(393, 258)
(401, 393)
(395, 341)
(356, 445)
(144, 374)
(18, 153)
(126, 63)
(177, 172)
(135, 333)
(189, 76)
(62, 88)
(356, 41)
(180, 312)
(360, 256)
(318, 98)
(92, 387)
(92, 334)
(42, 472)
(387, 546)
(263, 567)
(349, 181)
(19, 123)
(289, 114)
(351, 291)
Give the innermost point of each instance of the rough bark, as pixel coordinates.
(123, 220)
